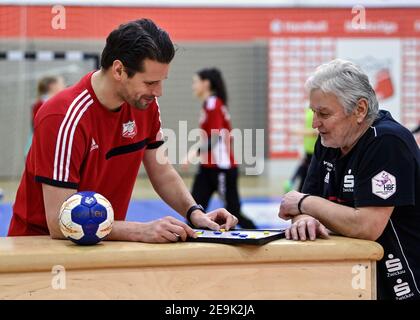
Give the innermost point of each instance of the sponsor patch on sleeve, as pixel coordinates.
(384, 185)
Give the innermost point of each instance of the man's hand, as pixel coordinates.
(214, 220)
(305, 228)
(167, 229)
(289, 205)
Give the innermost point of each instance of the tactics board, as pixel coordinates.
(238, 236)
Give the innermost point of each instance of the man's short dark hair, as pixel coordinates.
(135, 41)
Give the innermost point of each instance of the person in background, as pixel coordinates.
(47, 87)
(218, 171)
(309, 139)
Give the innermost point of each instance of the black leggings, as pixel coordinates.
(225, 182)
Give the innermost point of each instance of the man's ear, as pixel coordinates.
(117, 70)
(361, 110)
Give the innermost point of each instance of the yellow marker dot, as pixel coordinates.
(266, 232)
(222, 230)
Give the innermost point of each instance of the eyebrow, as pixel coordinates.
(151, 81)
(318, 108)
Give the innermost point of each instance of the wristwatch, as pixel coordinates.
(193, 208)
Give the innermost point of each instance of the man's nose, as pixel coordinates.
(315, 122)
(157, 90)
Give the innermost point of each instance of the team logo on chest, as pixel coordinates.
(384, 185)
(329, 167)
(93, 145)
(348, 184)
(129, 129)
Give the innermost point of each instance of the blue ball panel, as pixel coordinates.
(80, 214)
(98, 213)
(88, 198)
(90, 228)
(87, 240)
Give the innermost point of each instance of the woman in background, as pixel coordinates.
(47, 87)
(218, 170)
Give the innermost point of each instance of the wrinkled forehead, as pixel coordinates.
(319, 101)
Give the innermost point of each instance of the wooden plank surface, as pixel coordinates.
(21, 254)
(312, 280)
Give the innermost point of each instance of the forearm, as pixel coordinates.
(126, 231)
(54, 228)
(53, 200)
(338, 218)
(56, 234)
(172, 189)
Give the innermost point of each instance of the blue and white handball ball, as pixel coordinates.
(86, 217)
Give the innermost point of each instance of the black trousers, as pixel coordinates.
(225, 182)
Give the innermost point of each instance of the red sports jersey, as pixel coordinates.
(215, 118)
(80, 144)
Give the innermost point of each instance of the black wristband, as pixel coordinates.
(190, 210)
(300, 202)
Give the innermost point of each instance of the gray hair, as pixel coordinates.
(347, 82)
